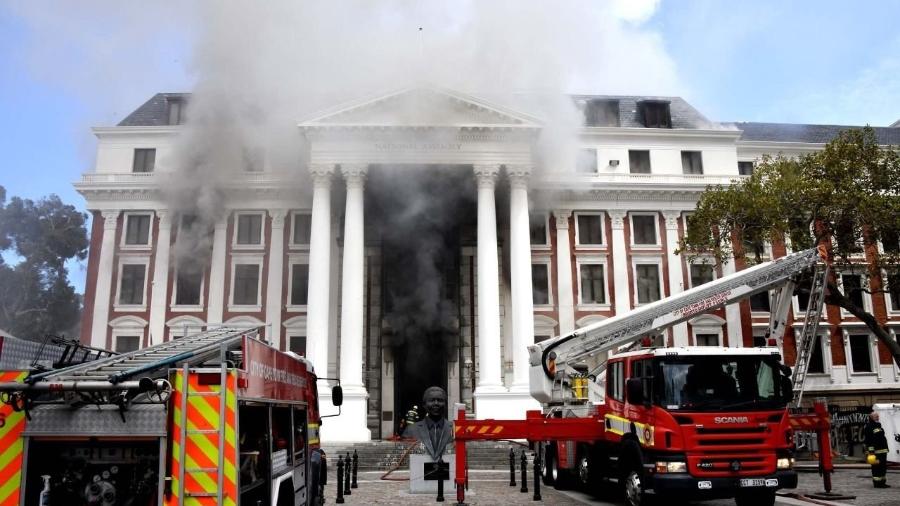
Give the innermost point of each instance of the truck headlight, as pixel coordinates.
(785, 463)
(671, 467)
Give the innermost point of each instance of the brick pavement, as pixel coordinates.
(858, 482)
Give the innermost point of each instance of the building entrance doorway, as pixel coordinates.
(419, 214)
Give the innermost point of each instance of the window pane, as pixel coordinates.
(175, 110)
(893, 287)
(701, 274)
(592, 284)
(707, 339)
(124, 344)
(655, 114)
(538, 228)
(299, 284)
(745, 168)
(297, 344)
(144, 160)
(601, 113)
(132, 285)
(644, 229)
(540, 291)
(639, 162)
(137, 229)
(861, 353)
(246, 284)
(691, 162)
(647, 283)
(817, 359)
(590, 229)
(760, 302)
(852, 285)
(586, 163)
(249, 228)
(187, 289)
(302, 227)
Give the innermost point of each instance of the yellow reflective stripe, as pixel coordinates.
(620, 426)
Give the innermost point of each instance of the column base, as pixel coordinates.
(504, 404)
(350, 426)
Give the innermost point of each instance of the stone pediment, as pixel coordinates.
(422, 107)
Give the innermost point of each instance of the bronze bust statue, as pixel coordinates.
(434, 431)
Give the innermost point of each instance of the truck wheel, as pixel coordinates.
(583, 470)
(549, 469)
(760, 498)
(633, 488)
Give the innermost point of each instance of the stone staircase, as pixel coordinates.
(385, 455)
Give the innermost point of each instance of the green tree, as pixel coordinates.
(846, 197)
(35, 295)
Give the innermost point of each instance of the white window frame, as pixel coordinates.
(291, 243)
(293, 259)
(177, 308)
(888, 299)
(655, 216)
(546, 217)
(824, 333)
(707, 324)
(295, 326)
(593, 260)
(866, 297)
(177, 326)
(738, 166)
(603, 238)
(262, 231)
(596, 161)
(130, 259)
(137, 247)
(550, 303)
(646, 260)
(873, 351)
(710, 263)
(544, 326)
(128, 326)
(244, 259)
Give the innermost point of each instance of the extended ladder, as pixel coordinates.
(807, 339)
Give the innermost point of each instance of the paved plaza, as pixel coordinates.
(492, 488)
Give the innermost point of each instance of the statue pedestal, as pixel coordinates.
(419, 482)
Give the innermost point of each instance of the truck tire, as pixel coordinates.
(549, 468)
(756, 498)
(584, 470)
(633, 489)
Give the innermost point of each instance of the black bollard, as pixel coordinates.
(512, 468)
(340, 481)
(355, 466)
(440, 482)
(537, 474)
(524, 488)
(347, 475)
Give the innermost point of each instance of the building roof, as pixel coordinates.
(153, 112)
(812, 134)
(683, 114)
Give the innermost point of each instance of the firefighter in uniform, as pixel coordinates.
(876, 451)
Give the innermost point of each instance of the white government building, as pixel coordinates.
(411, 248)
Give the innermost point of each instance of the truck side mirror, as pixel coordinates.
(635, 390)
(337, 395)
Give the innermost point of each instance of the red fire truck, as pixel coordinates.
(691, 423)
(216, 418)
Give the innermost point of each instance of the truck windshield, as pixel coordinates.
(706, 383)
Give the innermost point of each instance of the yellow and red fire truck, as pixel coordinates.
(686, 423)
(215, 418)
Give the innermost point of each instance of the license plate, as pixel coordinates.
(748, 482)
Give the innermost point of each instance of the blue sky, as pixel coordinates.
(67, 66)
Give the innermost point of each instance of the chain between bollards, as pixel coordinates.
(353, 484)
(347, 475)
(537, 473)
(524, 460)
(340, 481)
(512, 467)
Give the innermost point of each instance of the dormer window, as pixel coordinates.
(601, 113)
(655, 113)
(175, 110)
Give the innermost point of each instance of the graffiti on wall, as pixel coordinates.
(847, 434)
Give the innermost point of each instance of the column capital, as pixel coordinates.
(618, 218)
(321, 174)
(518, 175)
(671, 218)
(110, 218)
(486, 174)
(277, 216)
(354, 174)
(562, 218)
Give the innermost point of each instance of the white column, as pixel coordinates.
(676, 273)
(159, 294)
(217, 273)
(274, 298)
(488, 284)
(622, 265)
(351, 425)
(733, 313)
(319, 267)
(564, 272)
(520, 274)
(104, 279)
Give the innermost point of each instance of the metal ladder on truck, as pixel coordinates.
(807, 339)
